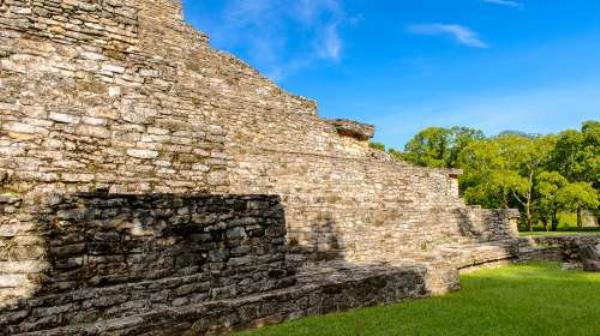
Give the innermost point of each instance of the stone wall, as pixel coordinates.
(108, 255)
(125, 96)
(83, 105)
(340, 207)
(576, 251)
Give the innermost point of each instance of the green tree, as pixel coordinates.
(577, 157)
(460, 138)
(438, 147)
(429, 148)
(516, 169)
(530, 155)
(501, 171)
(591, 151)
(576, 197)
(566, 156)
(547, 205)
(577, 154)
(490, 177)
(478, 160)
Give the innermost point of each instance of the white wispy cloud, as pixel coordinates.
(461, 34)
(331, 45)
(281, 37)
(508, 3)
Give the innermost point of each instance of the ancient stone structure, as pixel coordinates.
(582, 252)
(150, 183)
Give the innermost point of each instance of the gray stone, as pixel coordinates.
(354, 129)
(590, 257)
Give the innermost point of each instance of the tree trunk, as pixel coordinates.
(579, 217)
(554, 221)
(544, 222)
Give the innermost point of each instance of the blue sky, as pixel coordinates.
(403, 65)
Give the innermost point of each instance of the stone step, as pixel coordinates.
(344, 287)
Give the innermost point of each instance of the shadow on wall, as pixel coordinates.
(485, 225)
(323, 243)
(467, 226)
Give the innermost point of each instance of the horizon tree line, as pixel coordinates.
(542, 175)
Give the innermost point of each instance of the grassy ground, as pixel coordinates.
(567, 226)
(534, 299)
(561, 232)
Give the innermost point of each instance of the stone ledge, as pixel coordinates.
(353, 129)
(578, 251)
(343, 288)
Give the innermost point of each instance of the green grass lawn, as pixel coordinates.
(532, 299)
(561, 232)
(567, 226)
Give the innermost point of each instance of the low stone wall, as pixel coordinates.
(111, 256)
(572, 250)
(339, 291)
(491, 224)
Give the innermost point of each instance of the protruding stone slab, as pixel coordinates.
(590, 257)
(142, 153)
(353, 129)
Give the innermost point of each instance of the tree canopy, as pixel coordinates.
(540, 174)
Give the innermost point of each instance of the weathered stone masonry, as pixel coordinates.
(110, 255)
(124, 102)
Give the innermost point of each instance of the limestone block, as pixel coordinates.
(113, 68)
(200, 167)
(114, 91)
(12, 280)
(63, 118)
(67, 177)
(94, 121)
(18, 127)
(23, 267)
(93, 131)
(142, 153)
(92, 56)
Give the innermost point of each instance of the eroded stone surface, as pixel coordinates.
(590, 257)
(354, 129)
(581, 252)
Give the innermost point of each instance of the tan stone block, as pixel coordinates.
(112, 68)
(22, 128)
(142, 153)
(12, 280)
(23, 267)
(68, 177)
(93, 131)
(94, 121)
(63, 118)
(34, 111)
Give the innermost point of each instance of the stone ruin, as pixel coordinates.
(150, 184)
